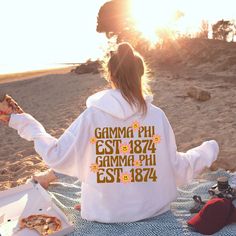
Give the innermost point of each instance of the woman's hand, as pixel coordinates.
(4, 118)
(8, 106)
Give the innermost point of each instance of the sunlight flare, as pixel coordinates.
(150, 16)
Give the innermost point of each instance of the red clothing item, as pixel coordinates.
(215, 214)
(232, 218)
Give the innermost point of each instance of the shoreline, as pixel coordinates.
(13, 77)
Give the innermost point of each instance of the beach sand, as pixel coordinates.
(56, 98)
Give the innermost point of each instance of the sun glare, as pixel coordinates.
(150, 16)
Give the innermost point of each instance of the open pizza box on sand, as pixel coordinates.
(25, 200)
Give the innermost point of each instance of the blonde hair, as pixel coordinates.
(127, 70)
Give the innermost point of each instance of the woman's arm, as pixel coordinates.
(187, 165)
(61, 154)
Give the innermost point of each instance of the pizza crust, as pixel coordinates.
(8, 105)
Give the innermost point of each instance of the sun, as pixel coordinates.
(152, 15)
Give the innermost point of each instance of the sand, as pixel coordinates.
(57, 98)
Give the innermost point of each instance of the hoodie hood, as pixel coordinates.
(112, 102)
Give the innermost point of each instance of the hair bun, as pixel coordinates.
(125, 50)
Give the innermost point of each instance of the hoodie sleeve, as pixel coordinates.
(62, 154)
(187, 165)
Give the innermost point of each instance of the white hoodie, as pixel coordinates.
(128, 164)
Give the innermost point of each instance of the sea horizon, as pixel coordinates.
(36, 67)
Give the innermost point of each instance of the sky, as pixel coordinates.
(39, 33)
(210, 10)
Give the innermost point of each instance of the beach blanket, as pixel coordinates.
(66, 193)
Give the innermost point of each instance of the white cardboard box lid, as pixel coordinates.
(25, 200)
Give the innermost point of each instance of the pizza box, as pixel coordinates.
(25, 200)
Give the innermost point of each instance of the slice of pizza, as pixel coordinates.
(8, 105)
(43, 224)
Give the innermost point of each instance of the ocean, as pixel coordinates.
(12, 69)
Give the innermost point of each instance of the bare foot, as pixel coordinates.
(45, 178)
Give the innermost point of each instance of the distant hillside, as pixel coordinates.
(205, 54)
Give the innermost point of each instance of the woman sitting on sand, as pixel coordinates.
(122, 148)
